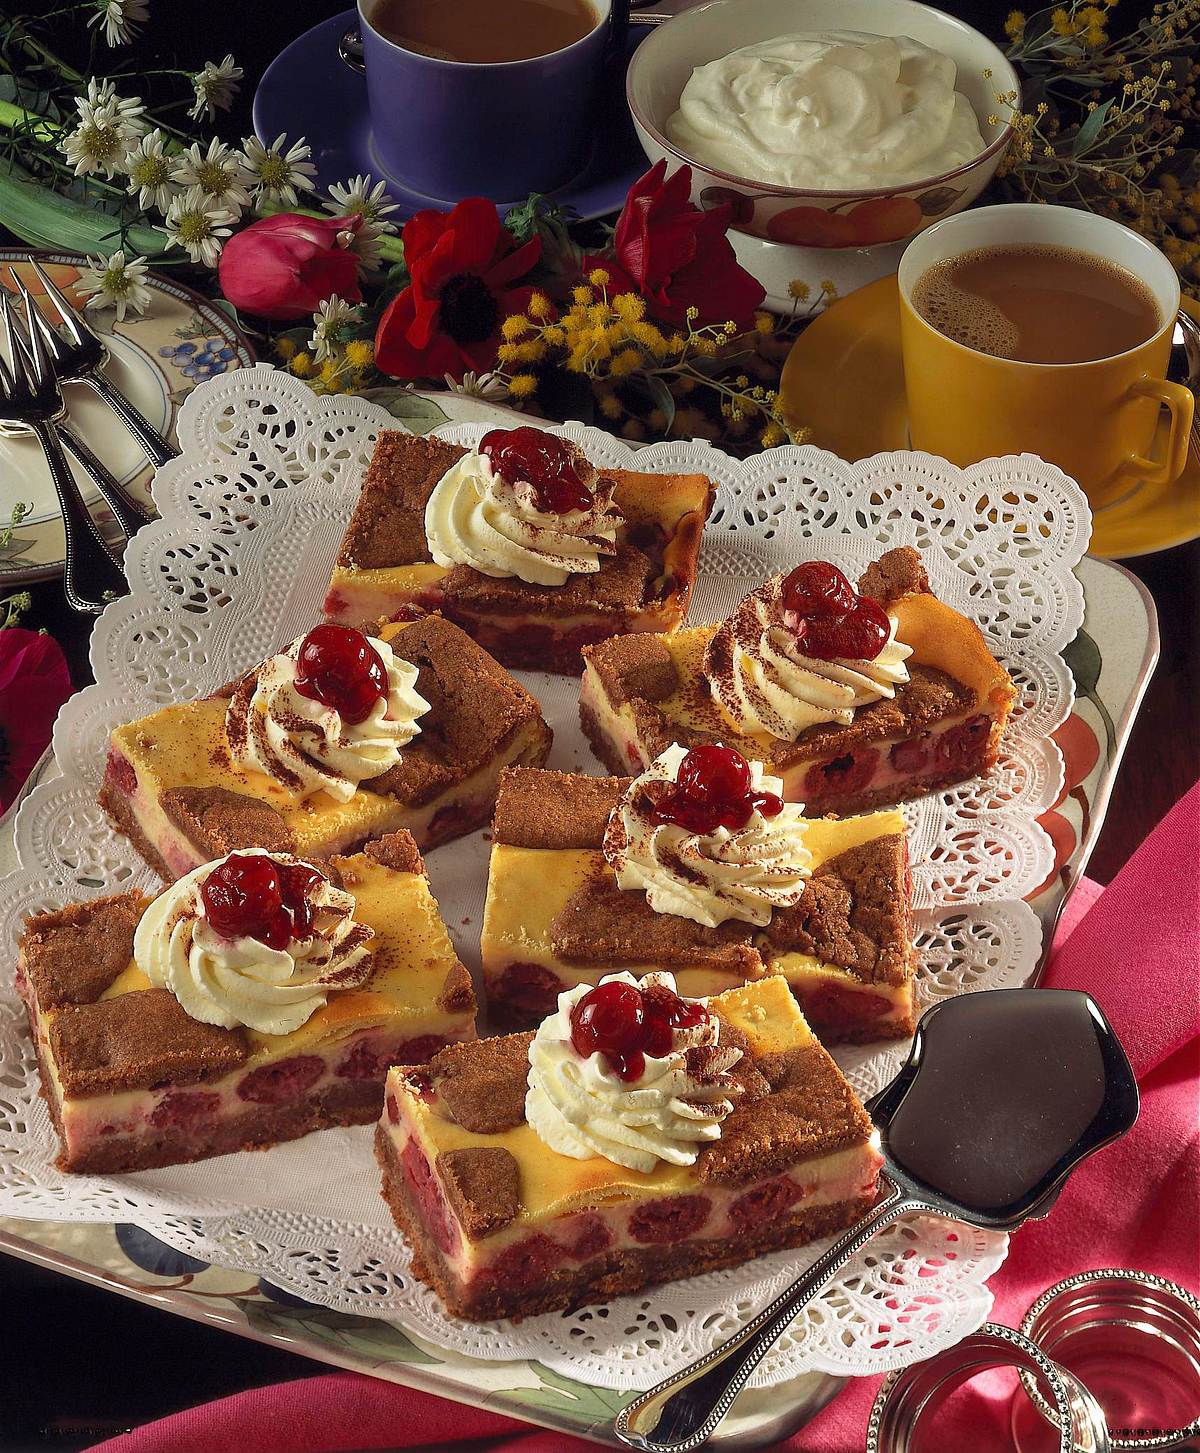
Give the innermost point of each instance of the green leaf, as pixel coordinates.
(662, 397)
(366, 1335)
(1085, 663)
(414, 412)
(1090, 128)
(565, 1396)
(937, 200)
(42, 217)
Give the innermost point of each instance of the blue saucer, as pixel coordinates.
(308, 91)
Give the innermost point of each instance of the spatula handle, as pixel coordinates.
(681, 1412)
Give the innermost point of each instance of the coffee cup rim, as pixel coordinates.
(416, 55)
(905, 285)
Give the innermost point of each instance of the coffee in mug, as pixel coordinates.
(484, 31)
(1037, 304)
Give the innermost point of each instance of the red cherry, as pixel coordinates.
(542, 460)
(711, 790)
(338, 667)
(859, 636)
(609, 1020)
(628, 1067)
(817, 590)
(714, 774)
(250, 895)
(666, 1012)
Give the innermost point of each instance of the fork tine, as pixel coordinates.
(34, 339)
(71, 319)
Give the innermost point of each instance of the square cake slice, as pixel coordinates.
(133, 1079)
(505, 1225)
(483, 560)
(844, 733)
(260, 765)
(555, 916)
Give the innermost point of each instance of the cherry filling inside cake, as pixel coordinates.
(530, 1177)
(256, 1000)
(522, 542)
(844, 732)
(557, 913)
(324, 747)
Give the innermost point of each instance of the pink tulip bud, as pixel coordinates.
(286, 266)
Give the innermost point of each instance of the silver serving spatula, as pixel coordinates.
(1004, 1093)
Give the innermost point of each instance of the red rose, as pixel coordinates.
(679, 256)
(448, 319)
(287, 266)
(34, 683)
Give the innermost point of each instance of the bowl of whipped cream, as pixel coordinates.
(829, 124)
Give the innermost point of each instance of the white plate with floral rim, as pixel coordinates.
(251, 516)
(155, 359)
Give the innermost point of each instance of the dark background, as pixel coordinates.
(78, 1364)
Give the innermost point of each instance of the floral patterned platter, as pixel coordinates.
(155, 360)
(1111, 660)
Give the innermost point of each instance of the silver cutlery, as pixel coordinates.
(79, 358)
(29, 397)
(130, 516)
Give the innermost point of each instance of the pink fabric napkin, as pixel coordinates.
(1133, 1204)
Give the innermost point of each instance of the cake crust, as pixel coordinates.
(71, 956)
(537, 808)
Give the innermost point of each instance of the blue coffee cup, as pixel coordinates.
(452, 129)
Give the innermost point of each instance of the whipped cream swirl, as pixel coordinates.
(763, 682)
(828, 110)
(240, 981)
(476, 517)
(305, 745)
(580, 1108)
(708, 877)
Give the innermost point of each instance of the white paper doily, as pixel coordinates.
(251, 515)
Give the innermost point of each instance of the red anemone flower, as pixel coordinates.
(462, 264)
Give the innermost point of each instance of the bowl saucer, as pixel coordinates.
(308, 91)
(844, 379)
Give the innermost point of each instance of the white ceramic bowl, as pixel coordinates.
(664, 62)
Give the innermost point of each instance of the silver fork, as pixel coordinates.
(79, 359)
(29, 397)
(130, 516)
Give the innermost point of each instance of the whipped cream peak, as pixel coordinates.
(708, 877)
(478, 517)
(579, 1106)
(828, 110)
(304, 744)
(232, 981)
(760, 676)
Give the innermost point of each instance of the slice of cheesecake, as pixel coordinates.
(504, 1226)
(939, 724)
(175, 788)
(133, 1080)
(555, 917)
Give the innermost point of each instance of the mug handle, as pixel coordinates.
(350, 49)
(1180, 404)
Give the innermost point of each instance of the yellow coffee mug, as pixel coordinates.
(1097, 420)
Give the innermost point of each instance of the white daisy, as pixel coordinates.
(218, 172)
(101, 142)
(478, 385)
(370, 201)
(149, 171)
(215, 87)
(121, 19)
(114, 283)
(328, 321)
(198, 225)
(279, 175)
(99, 93)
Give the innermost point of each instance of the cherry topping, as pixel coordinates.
(339, 667)
(859, 636)
(827, 616)
(542, 460)
(250, 895)
(625, 1024)
(817, 590)
(712, 790)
